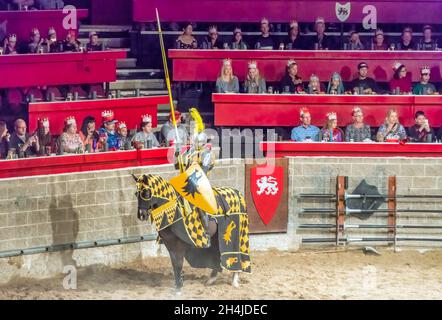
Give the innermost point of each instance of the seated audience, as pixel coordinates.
(315, 86)
(421, 131)
(23, 4)
(401, 82)
(4, 140)
(358, 131)
(254, 83)
(237, 42)
(124, 140)
(227, 82)
(24, 144)
(265, 41)
(49, 4)
(379, 43)
(331, 132)
(424, 87)
(36, 42)
(212, 41)
(364, 84)
(306, 132)
(70, 141)
(94, 44)
(145, 139)
(291, 80)
(294, 41)
(407, 42)
(168, 132)
(108, 136)
(10, 45)
(391, 130)
(89, 135)
(355, 41)
(321, 41)
(427, 43)
(335, 85)
(52, 43)
(45, 138)
(71, 44)
(186, 40)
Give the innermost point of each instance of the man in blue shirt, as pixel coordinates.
(305, 132)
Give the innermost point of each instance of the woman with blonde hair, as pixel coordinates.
(331, 132)
(391, 130)
(254, 82)
(227, 82)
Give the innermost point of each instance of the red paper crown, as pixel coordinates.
(303, 111)
(107, 116)
(44, 122)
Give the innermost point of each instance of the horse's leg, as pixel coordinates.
(177, 249)
(235, 280)
(213, 277)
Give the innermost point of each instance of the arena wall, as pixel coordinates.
(59, 209)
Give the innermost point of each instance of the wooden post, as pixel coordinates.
(340, 209)
(391, 222)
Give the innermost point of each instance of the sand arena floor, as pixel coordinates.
(324, 274)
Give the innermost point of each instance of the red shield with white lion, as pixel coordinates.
(266, 191)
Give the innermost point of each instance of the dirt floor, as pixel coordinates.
(276, 275)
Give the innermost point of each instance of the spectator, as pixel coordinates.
(331, 132)
(124, 140)
(401, 82)
(363, 84)
(89, 135)
(36, 42)
(45, 138)
(379, 43)
(10, 45)
(424, 87)
(227, 82)
(108, 135)
(305, 132)
(407, 40)
(212, 41)
(291, 82)
(421, 131)
(24, 144)
(49, 4)
(427, 43)
(71, 44)
(391, 130)
(254, 82)
(4, 140)
(358, 131)
(186, 40)
(294, 41)
(52, 43)
(23, 4)
(335, 85)
(70, 141)
(238, 42)
(315, 86)
(354, 41)
(94, 44)
(168, 131)
(265, 41)
(145, 139)
(321, 41)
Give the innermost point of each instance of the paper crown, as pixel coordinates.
(397, 65)
(356, 110)
(237, 30)
(379, 32)
(146, 118)
(92, 33)
(51, 31)
(314, 77)
(227, 62)
(44, 122)
(290, 62)
(332, 116)
(264, 21)
(407, 29)
(69, 121)
(319, 20)
(426, 27)
(252, 64)
(107, 116)
(12, 37)
(213, 28)
(122, 125)
(425, 70)
(35, 31)
(293, 24)
(303, 111)
(177, 114)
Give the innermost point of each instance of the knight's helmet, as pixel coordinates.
(197, 135)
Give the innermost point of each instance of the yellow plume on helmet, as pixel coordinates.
(195, 115)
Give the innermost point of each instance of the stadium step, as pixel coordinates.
(126, 63)
(133, 84)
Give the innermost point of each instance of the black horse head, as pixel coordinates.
(152, 192)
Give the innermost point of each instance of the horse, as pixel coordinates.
(154, 192)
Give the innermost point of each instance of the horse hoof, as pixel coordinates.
(235, 284)
(178, 292)
(211, 281)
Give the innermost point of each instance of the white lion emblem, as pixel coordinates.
(269, 185)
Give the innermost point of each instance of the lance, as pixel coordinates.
(169, 89)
